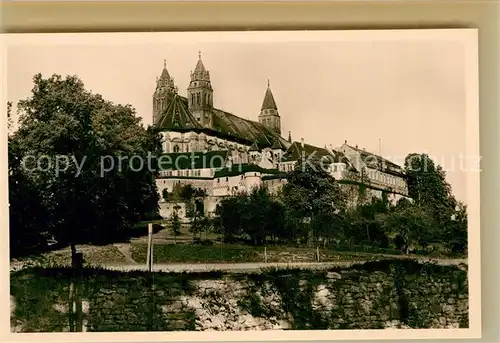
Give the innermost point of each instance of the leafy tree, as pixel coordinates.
(407, 225)
(456, 233)
(361, 223)
(310, 192)
(229, 214)
(176, 223)
(428, 187)
(165, 195)
(9, 116)
(28, 216)
(427, 184)
(82, 151)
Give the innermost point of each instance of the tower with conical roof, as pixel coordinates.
(164, 92)
(200, 94)
(269, 115)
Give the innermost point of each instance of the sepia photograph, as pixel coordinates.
(243, 181)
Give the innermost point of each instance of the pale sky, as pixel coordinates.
(410, 94)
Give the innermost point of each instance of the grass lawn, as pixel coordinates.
(179, 253)
(185, 253)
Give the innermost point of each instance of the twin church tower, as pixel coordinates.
(200, 99)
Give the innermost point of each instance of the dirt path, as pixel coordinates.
(125, 250)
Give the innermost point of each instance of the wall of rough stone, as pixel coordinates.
(373, 295)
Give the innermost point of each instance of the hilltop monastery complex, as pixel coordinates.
(224, 154)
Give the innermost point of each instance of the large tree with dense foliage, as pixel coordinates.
(407, 225)
(75, 141)
(256, 215)
(314, 196)
(427, 186)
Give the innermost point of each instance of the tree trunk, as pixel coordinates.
(73, 254)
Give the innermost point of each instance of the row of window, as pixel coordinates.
(268, 121)
(187, 172)
(209, 147)
(200, 99)
(384, 178)
(288, 167)
(160, 104)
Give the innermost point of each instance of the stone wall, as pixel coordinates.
(375, 295)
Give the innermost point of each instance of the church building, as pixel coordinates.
(223, 154)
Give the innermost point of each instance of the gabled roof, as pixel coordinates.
(378, 162)
(193, 160)
(254, 147)
(177, 116)
(276, 145)
(297, 151)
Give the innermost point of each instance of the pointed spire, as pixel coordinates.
(200, 68)
(164, 74)
(200, 73)
(269, 102)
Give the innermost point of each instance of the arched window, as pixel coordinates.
(176, 148)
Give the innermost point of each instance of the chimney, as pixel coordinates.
(356, 146)
(345, 142)
(302, 142)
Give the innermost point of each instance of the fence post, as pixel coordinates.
(265, 254)
(317, 252)
(149, 259)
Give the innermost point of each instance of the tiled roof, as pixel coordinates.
(193, 160)
(378, 162)
(248, 130)
(177, 116)
(296, 151)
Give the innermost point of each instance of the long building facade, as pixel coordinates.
(223, 154)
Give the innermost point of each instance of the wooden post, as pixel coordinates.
(78, 299)
(75, 302)
(265, 254)
(317, 252)
(149, 262)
